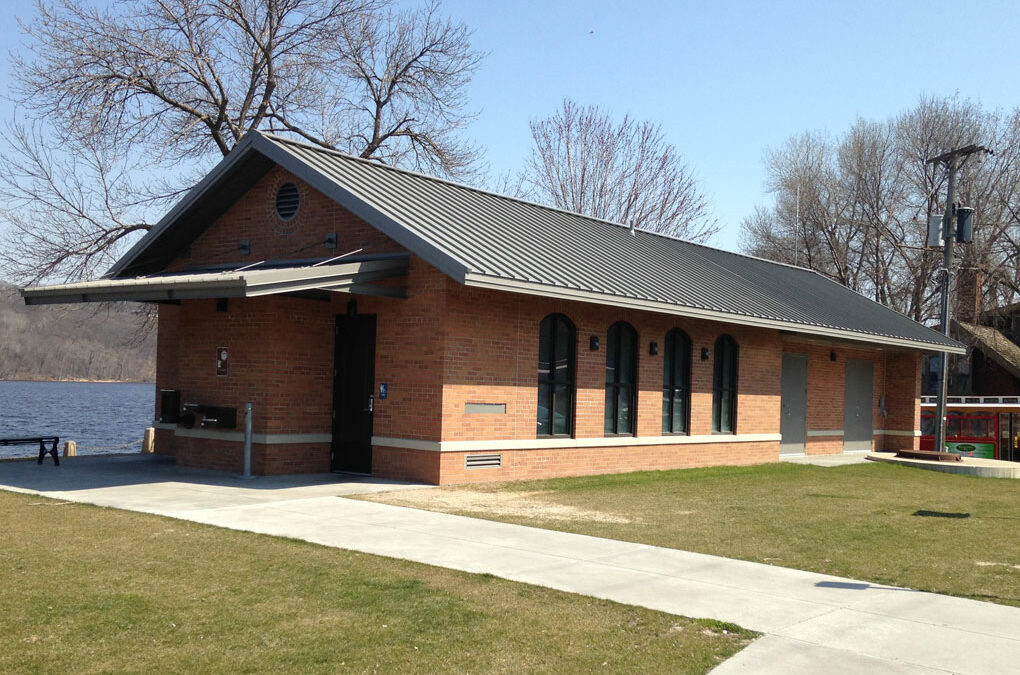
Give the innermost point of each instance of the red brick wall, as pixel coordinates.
(902, 400)
(267, 460)
(210, 454)
(420, 466)
(279, 459)
(410, 344)
(529, 464)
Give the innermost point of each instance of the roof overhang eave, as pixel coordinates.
(227, 285)
(545, 290)
(115, 292)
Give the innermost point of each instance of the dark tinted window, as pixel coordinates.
(724, 386)
(621, 378)
(676, 383)
(556, 340)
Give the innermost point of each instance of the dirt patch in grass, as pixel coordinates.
(528, 504)
(981, 563)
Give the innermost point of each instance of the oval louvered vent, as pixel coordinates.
(287, 199)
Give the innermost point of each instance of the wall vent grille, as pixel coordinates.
(483, 461)
(288, 198)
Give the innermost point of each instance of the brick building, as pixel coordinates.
(380, 321)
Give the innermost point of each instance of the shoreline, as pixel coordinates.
(75, 380)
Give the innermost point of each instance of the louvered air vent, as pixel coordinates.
(287, 200)
(483, 461)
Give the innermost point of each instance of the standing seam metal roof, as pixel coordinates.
(482, 238)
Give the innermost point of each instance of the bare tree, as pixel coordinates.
(627, 173)
(865, 199)
(121, 109)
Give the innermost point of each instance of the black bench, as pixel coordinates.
(47, 445)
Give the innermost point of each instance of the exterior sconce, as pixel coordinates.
(832, 356)
(653, 348)
(704, 353)
(245, 247)
(593, 343)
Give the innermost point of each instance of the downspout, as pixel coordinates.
(247, 441)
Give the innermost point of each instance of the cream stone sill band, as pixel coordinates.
(238, 436)
(895, 432)
(874, 432)
(564, 443)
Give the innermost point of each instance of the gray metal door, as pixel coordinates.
(857, 404)
(793, 420)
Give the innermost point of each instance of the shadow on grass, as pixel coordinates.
(940, 514)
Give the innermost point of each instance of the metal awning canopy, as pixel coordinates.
(347, 277)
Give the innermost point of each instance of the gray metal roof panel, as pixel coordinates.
(514, 240)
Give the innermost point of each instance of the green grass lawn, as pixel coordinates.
(92, 590)
(878, 522)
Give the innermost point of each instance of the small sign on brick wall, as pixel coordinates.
(485, 408)
(222, 362)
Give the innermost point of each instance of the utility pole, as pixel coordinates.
(953, 160)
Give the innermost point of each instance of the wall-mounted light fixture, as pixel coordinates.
(704, 353)
(593, 343)
(245, 247)
(653, 348)
(330, 241)
(832, 356)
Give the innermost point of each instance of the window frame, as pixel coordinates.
(615, 389)
(557, 321)
(725, 393)
(677, 347)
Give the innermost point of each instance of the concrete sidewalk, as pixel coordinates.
(812, 623)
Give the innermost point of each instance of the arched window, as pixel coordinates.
(556, 340)
(724, 386)
(676, 383)
(621, 377)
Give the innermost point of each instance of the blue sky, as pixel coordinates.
(726, 79)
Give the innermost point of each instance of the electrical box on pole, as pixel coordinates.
(964, 225)
(935, 238)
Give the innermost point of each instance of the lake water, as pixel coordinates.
(103, 418)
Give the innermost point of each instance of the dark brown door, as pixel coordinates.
(353, 393)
